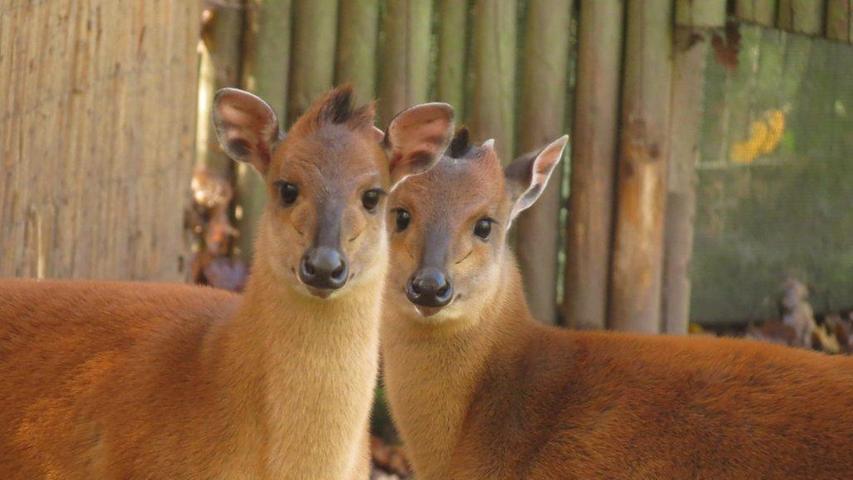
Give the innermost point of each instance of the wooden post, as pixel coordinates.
(594, 140)
(641, 204)
(312, 65)
(356, 55)
(700, 13)
(405, 47)
(839, 20)
(452, 36)
(222, 32)
(762, 12)
(801, 16)
(541, 118)
(691, 49)
(266, 58)
(491, 111)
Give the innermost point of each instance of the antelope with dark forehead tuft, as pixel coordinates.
(479, 389)
(122, 380)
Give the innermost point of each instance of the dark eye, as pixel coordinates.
(288, 192)
(403, 219)
(483, 228)
(370, 199)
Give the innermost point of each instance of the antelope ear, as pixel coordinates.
(527, 176)
(246, 127)
(416, 138)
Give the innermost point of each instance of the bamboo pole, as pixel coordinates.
(690, 52)
(266, 58)
(839, 20)
(356, 55)
(801, 16)
(595, 125)
(405, 50)
(541, 117)
(312, 61)
(491, 111)
(641, 204)
(762, 12)
(452, 35)
(219, 67)
(700, 13)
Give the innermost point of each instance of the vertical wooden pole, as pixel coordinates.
(541, 117)
(762, 12)
(801, 16)
(690, 52)
(839, 20)
(594, 141)
(405, 50)
(312, 64)
(452, 36)
(356, 54)
(700, 13)
(491, 90)
(641, 205)
(266, 58)
(219, 67)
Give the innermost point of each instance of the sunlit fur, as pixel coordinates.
(483, 391)
(119, 381)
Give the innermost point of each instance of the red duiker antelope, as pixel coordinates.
(480, 390)
(112, 380)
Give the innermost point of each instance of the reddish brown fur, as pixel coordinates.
(111, 380)
(483, 391)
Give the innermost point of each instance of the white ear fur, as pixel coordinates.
(527, 177)
(378, 134)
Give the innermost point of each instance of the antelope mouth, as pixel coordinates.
(426, 311)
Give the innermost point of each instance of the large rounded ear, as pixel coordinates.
(416, 138)
(527, 176)
(246, 127)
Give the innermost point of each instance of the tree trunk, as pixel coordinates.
(452, 37)
(491, 111)
(594, 140)
(641, 205)
(405, 47)
(266, 58)
(801, 16)
(762, 12)
(312, 65)
(356, 56)
(541, 119)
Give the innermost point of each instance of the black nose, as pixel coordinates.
(429, 287)
(324, 268)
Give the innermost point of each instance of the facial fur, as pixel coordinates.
(445, 205)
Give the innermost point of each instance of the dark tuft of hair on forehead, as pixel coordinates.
(460, 145)
(338, 108)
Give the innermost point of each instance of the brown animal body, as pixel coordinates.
(480, 390)
(123, 380)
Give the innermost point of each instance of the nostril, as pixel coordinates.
(443, 290)
(416, 287)
(339, 272)
(309, 269)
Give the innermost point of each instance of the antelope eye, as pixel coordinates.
(288, 192)
(370, 199)
(403, 219)
(483, 228)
